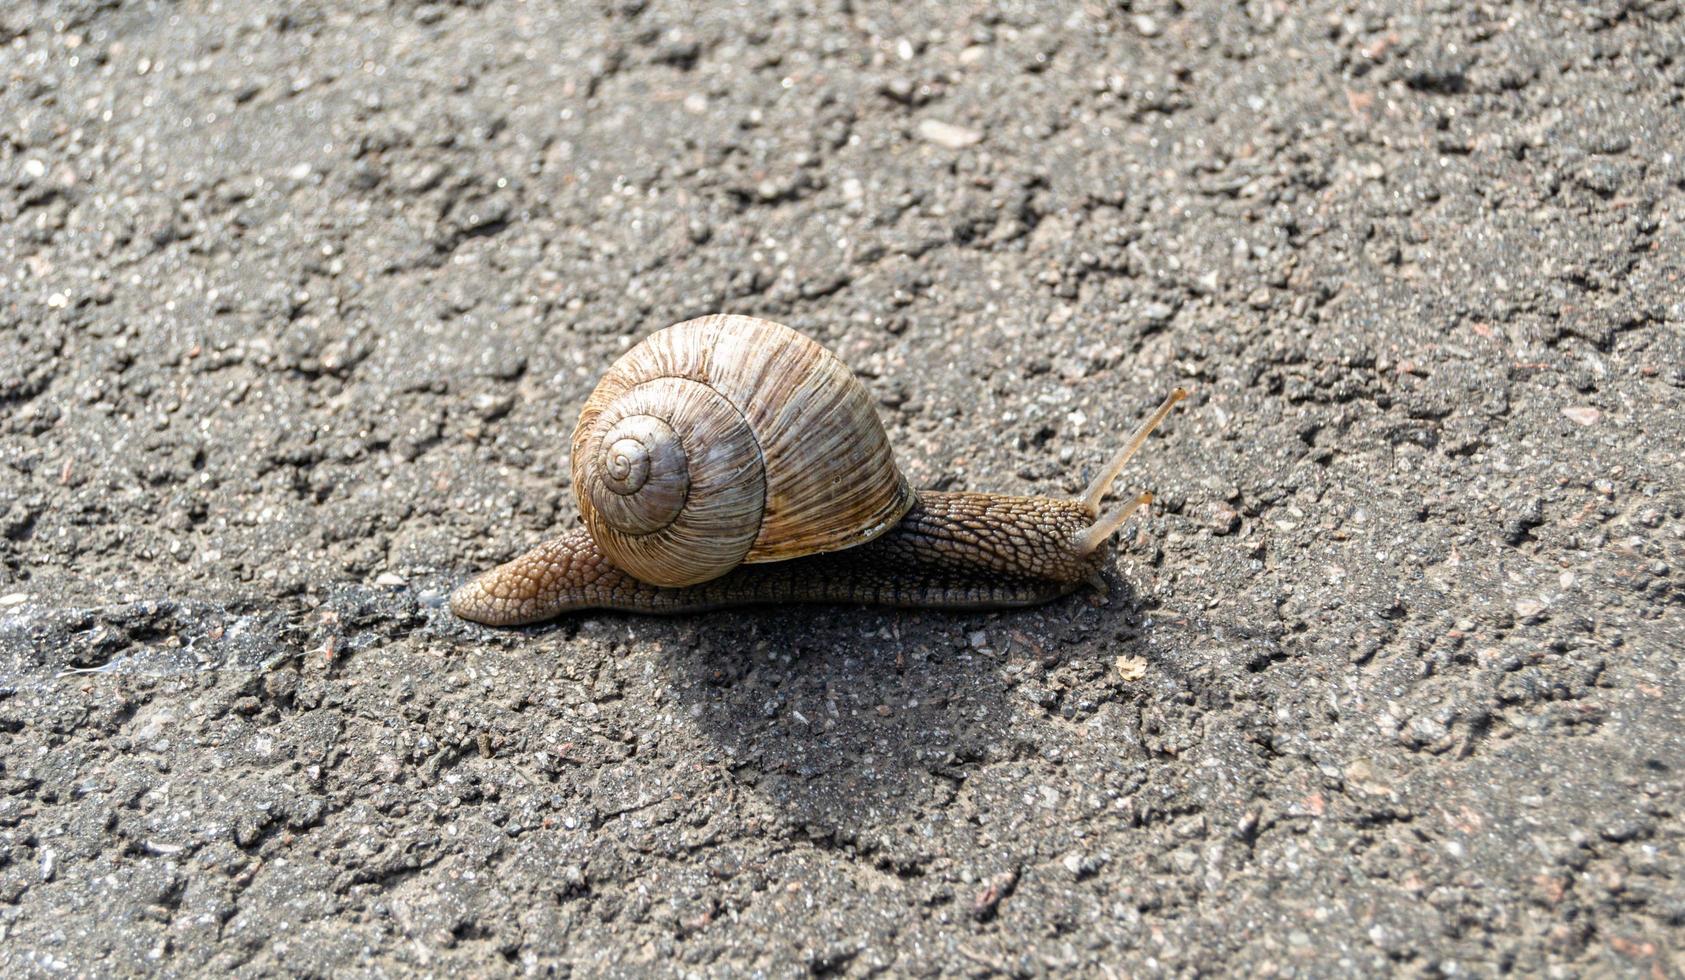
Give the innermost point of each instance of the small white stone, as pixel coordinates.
(1582, 414)
(15, 599)
(947, 134)
(390, 580)
(35, 169)
(1132, 668)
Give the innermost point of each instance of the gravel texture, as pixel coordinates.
(297, 304)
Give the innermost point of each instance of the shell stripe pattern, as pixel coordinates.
(830, 480)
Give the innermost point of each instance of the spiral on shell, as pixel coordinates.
(727, 439)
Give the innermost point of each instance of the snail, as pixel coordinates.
(728, 460)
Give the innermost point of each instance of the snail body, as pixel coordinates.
(728, 461)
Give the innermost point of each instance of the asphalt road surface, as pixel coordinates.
(298, 303)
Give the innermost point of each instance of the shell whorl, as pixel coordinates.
(673, 485)
(644, 478)
(728, 439)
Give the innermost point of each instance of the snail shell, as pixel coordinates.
(726, 440)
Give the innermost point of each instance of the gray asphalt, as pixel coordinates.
(298, 303)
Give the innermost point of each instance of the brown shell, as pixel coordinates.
(728, 439)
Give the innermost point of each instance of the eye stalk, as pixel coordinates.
(1105, 526)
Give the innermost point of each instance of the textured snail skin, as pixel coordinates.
(950, 551)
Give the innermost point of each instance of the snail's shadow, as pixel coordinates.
(845, 720)
(848, 718)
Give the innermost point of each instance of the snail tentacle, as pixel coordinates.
(1102, 483)
(1089, 541)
